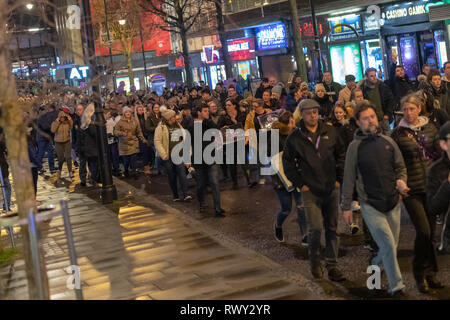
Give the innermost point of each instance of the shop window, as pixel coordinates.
(441, 47)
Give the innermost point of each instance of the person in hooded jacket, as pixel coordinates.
(129, 133)
(419, 143)
(324, 100)
(436, 91)
(62, 127)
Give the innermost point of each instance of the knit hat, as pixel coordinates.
(308, 104)
(444, 132)
(126, 109)
(168, 113)
(277, 89)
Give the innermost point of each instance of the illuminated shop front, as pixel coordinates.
(401, 29)
(243, 58)
(76, 76)
(408, 33)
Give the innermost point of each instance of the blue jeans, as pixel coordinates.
(285, 198)
(209, 173)
(385, 230)
(155, 161)
(45, 146)
(7, 194)
(143, 150)
(173, 172)
(130, 162)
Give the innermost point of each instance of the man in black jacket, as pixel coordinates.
(204, 171)
(381, 97)
(262, 87)
(332, 88)
(375, 164)
(313, 161)
(401, 85)
(438, 188)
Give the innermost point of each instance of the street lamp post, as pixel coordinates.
(316, 40)
(109, 45)
(143, 52)
(109, 192)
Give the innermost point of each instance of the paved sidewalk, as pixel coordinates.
(129, 251)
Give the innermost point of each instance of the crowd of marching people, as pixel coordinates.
(367, 146)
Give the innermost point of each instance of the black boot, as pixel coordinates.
(422, 285)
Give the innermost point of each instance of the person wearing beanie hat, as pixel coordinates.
(326, 105)
(313, 160)
(164, 145)
(168, 113)
(438, 190)
(129, 133)
(277, 91)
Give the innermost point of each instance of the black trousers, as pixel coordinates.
(424, 262)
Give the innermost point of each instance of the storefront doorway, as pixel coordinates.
(417, 48)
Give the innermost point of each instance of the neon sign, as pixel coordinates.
(242, 49)
(75, 73)
(271, 37)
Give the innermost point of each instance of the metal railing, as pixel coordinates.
(11, 220)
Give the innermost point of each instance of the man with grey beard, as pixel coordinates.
(374, 163)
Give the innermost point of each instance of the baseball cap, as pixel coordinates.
(349, 77)
(308, 104)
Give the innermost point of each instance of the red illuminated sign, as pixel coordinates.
(307, 30)
(179, 62)
(242, 49)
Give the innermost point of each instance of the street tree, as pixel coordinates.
(128, 26)
(179, 16)
(15, 130)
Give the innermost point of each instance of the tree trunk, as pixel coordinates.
(187, 62)
(129, 57)
(299, 56)
(16, 141)
(223, 40)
